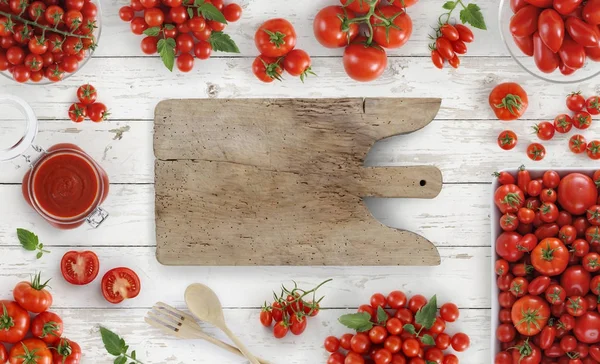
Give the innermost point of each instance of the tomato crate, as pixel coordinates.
(496, 230)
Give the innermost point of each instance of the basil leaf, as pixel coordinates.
(427, 340)
(113, 343)
(472, 15)
(152, 32)
(357, 321)
(410, 328)
(28, 240)
(382, 316)
(426, 315)
(449, 5)
(222, 42)
(166, 50)
(210, 12)
(120, 360)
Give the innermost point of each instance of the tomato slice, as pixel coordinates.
(119, 284)
(79, 268)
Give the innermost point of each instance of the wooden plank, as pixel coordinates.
(132, 87)
(153, 347)
(131, 222)
(249, 286)
(118, 41)
(234, 188)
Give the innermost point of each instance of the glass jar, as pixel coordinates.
(64, 185)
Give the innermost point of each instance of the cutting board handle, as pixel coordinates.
(407, 182)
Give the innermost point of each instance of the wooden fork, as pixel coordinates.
(177, 323)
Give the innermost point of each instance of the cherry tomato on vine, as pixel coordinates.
(363, 62)
(332, 27)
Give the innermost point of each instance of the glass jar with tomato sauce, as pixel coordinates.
(64, 184)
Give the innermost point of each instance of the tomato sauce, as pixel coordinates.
(65, 186)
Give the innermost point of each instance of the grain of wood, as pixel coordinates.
(235, 187)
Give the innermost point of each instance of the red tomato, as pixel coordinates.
(593, 149)
(575, 102)
(97, 112)
(575, 281)
(298, 324)
(526, 215)
(267, 69)
(555, 294)
(536, 152)
(509, 101)
(591, 262)
(563, 123)
(126, 13)
(576, 306)
(509, 198)
(33, 296)
(539, 285)
(525, 21)
(525, 44)
(581, 32)
(47, 326)
(232, 12)
(30, 351)
(572, 53)
(578, 144)
(546, 60)
(507, 140)
(416, 302)
(14, 322)
(591, 12)
(378, 334)
(280, 329)
(119, 284)
(551, 28)
(394, 326)
(506, 246)
(444, 47)
(544, 130)
(357, 6)
(509, 222)
(550, 257)
(410, 347)
(530, 314)
(592, 105)
(360, 343)
(518, 287)
(79, 268)
(332, 29)
(154, 17)
(576, 193)
(67, 352)
(397, 33)
(275, 38)
(77, 112)
(396, 299)
(364, 63)
(149, 45)
(587, 328)
(202, 50)
(437, 59)
(505, 333)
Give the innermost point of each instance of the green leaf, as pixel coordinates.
(113, 343)
(427, 340)
(449, 5)
(133, 355)
(121, 360)
(382, 316)
(166, 50)
(210, 12)
(152, 32)
(28, 240)
(222, 42)
(410, 328)
(426, 315)
(198, 2)
(190, 12)
(169, 26)
(472, 15)
(39, 255)
(360, 321)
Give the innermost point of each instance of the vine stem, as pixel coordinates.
(45, 28)
(366, 19)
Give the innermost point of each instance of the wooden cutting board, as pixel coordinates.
(281, 181)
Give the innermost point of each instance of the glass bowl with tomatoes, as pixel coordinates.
(545, 250)
(559, 44)
(48, 41)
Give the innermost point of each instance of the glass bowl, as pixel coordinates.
(589, 71)
(88, 54)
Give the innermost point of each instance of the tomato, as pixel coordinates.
(591, 262)
(581, 247)
(459, 47)
(154, 17)
(509, 222)
(581, 32)
(30, 351)
(587, 328)
(567, 234)
(378, 334)
(548, 212)
(73, 45)
(506, 299)
(592, 105)
(67, 352)
(364, 63)
(119, 284)
(572, 53)
(47, 326)
(297, 63)
(503, 357)
(267, 69)
(266, 317)
(80, 268)
(506, 246)
(332, 28)
(14, 322)
(563, 123)
(410, 347)
(416, 302)
(591, 12)
(536, 151)
(518, 287)
(575, 281)
(507, 140)
(232, 12)
(275, 38)
(530, 314)
(354, 358)
(576, 306)
(54, 14)
(126, 13)
(575, 102)
(595, 352)
(551, 28)
(525, 21)
(33, 296)
(593, 53)
(460, 342)
(544, 130)
(526, 215)
(21, 73)
(399, 30)
(527, 243)
(332, 344)
(394, 326)
(576, 193)
(546, 60)
(509, 198)
(444, 47)
(550, 257)
(281, 329)
(54, 73)
(73, 19)
(360, 343)
(505, 333)
(77, 112)
(454, 61)
(593, 149)
(547, 337)
(396, 299)
(34, 62)
(578, 144)
(539, 285)
(525, 44)
(89, 10)
(15, 55)
(298, 324)
(178, 15)
(509, 101)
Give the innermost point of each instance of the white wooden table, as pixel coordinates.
(461, 142)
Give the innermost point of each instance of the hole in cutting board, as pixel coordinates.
(423, 183)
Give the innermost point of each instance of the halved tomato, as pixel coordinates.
(119, 284)
(79, 268)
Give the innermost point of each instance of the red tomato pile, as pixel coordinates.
(118, 284)
(557, 34)
(548, 266)
(45, 38)
(275, 39)
(450, 42)
(178, 30)
(398, 330)
(290, 310)
(87, 106)
(45, 344)
(386, 26)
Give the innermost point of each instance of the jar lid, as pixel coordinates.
(19, 119)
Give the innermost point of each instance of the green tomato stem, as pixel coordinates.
(43, 27)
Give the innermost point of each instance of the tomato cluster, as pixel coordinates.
(398, 330)
(387, 25)
(45, 38)
(178, 30)
(45, 343)
(290, 310)
(276, 39)
(557, 34)
(451, 41)
(547, 266)
(87, 107)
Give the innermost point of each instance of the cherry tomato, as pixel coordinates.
(536, 152)
(267, 69)
(397, 33)
(593, 149)
(507, 140)
(505, 333)
(332, 28)
(77, 112)
(437, 59)
(280, 329)
(266, 317)
(546, 60)
(378, 334)
(544, 130)
(126, 13)
(364, 63)
(416, 302)
(396, 300)
(525, 21)
(444, 47)
(360, 343)
(410, 347)
(460, 342)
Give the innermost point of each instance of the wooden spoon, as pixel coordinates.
(205, 305)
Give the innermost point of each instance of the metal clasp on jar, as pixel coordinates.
(97, 217)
